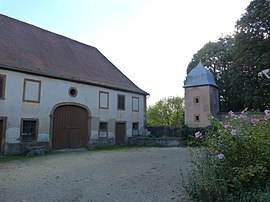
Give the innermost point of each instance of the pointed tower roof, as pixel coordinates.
(199, 76)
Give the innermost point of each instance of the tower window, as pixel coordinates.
(197, 118)
(196, 100)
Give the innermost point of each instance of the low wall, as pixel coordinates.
(169, 131)
(170, 142)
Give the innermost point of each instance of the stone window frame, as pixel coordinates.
(103, 131)
(2, 86)
(24, 90)
(135, 131)
(35, 135)
(121, 102)
(73, 92)
(132, 104)
(108, 96)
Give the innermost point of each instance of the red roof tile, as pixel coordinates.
(27, 48)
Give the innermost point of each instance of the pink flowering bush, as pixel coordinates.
(234, 164)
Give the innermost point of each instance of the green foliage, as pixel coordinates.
(166, 112)
(236, 61)
(234, 164)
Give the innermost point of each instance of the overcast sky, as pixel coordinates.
(150, 41)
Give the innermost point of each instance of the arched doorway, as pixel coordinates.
(70, 127)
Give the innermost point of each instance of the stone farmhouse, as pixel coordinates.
(60, 93)
(201, 97)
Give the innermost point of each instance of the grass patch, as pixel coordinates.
(4, 159)
(117, 147)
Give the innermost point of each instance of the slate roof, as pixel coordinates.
(30, 49)
(199, 76)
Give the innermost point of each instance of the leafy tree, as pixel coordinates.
(217, 57)
(236, 60)
(166, 112)
(251, 55)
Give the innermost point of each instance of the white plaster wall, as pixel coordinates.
(55, 91)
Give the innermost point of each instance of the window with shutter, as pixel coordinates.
(121, 102)
(2, 86)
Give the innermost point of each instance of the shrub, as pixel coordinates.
(234, 164)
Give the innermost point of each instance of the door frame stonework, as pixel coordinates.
(69, 104)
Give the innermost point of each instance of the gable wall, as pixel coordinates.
(53, 92)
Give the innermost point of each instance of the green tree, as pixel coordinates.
(166, 112)
(251, 55)
(236, 61)
(217, 57)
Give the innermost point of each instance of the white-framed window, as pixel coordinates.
(31, 90)
(135, 104)
(103, 100)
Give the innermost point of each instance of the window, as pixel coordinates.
(73, 92)
(135, 104)
(103, 100)
(31, 90)
(2, 86)
(103, 129)
(121, 102)
(197, 118)
(196, 100)
(135, 128)
(29, 129)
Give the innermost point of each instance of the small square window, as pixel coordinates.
(121, 102)
(197, 118)
(103, 129)
(196, 100)
(2, 86)
(135, 128)
(29, 130)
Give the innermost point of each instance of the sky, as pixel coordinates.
(150, 41)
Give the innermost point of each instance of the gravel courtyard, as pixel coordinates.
(134, 174)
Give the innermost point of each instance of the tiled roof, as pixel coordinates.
(199, 76)
(27, 48)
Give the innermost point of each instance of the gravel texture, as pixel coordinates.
(137, 174)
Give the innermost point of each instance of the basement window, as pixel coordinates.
(103, 129)
(29, 128)
(135, 128)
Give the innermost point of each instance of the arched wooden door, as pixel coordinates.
(70, 127)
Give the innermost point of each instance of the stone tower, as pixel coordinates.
(201, 97)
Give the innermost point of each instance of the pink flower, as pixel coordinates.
(267, 114)
(233, 132)
(198, 134)
(227, 126)
(221, 156)
(254, 121)
(231, 113)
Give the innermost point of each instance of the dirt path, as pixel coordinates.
(144, 174)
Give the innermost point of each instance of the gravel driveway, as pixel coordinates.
(136, 174)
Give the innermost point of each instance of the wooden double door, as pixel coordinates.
(70, 127)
